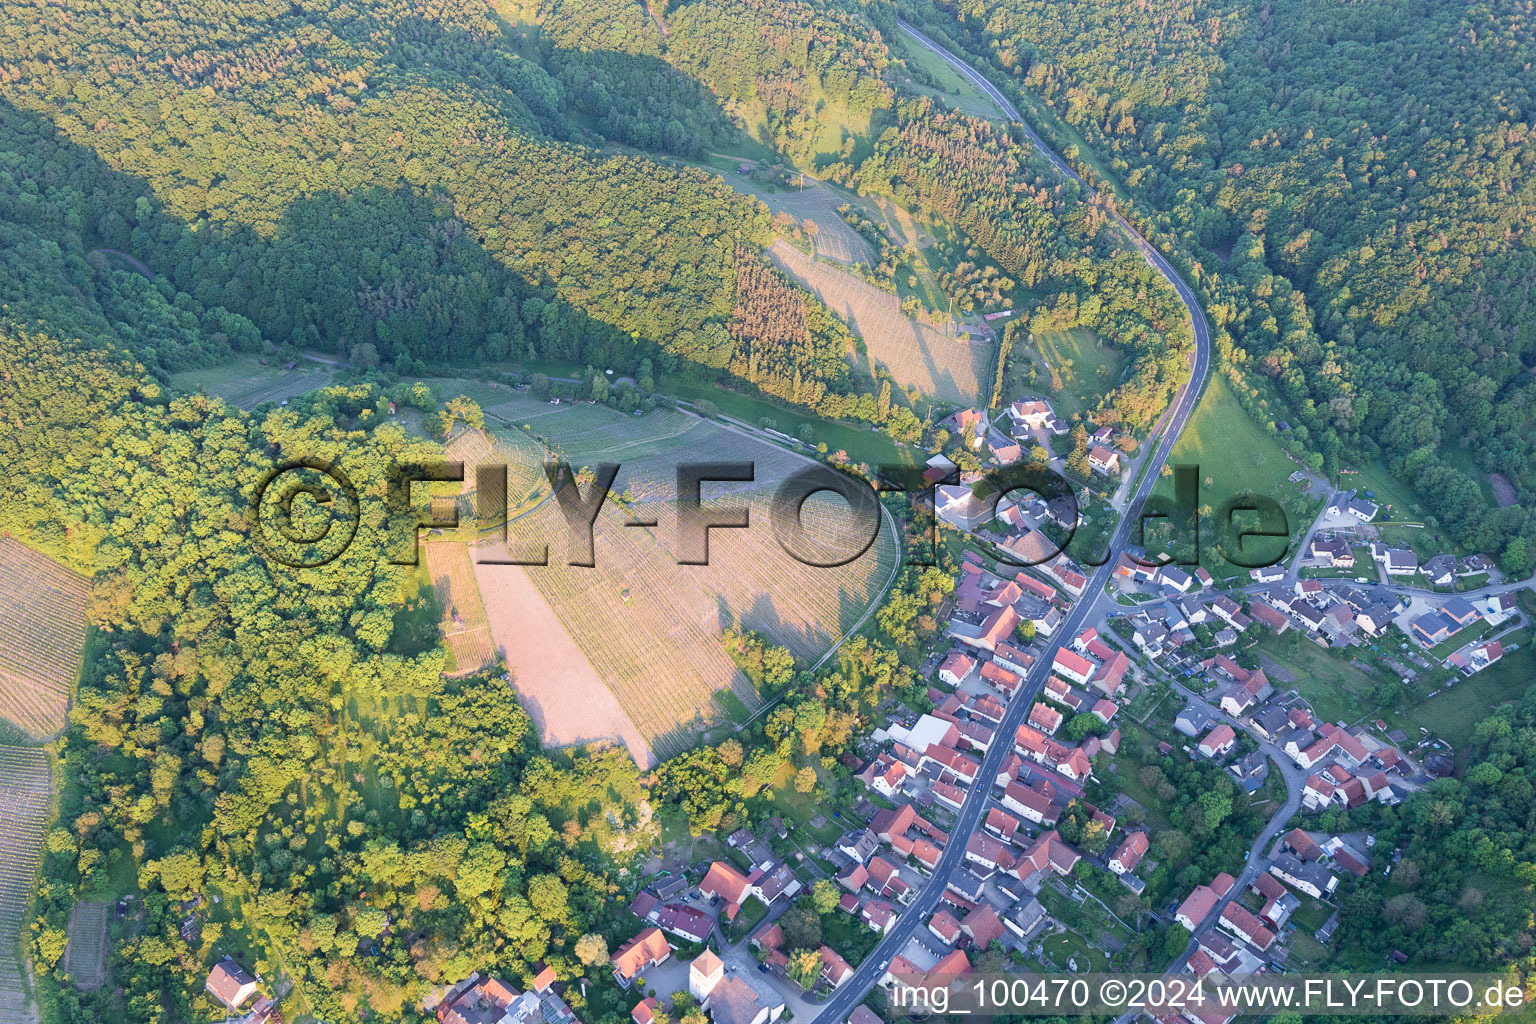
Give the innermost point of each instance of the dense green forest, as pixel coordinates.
(1355, 183)
(413, 188)
(1465, 886)
(380, 179)
(779, 68)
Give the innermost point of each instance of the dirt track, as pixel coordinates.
(555, 682)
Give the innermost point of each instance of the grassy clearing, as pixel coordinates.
(247, 382)
(947, 84)
(1086, 367)
(1339, 691)
(916, 354)
(1455, 712)
(1234, 454)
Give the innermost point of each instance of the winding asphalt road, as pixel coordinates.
(1088, 608)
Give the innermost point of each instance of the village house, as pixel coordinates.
(1104, 461)
(1333, 553)
(1313, 879)
(646, 949)
(1197, 906)
(1394, 561)
(1129, 854)
(958, 505)
(1218, 743)
(230, 983)
(956, 668)
(1440, 571)
(1241, 922)
(1046, 719)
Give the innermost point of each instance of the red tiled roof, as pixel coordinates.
(1072, 662)
(1240, 920)
(1131, 850)
(724, 881)
(649, 947)
(945, 926)
(1198, 905)
(1044, 717)
(982, 925)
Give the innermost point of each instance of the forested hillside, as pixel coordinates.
(780, 68)
(1464, 888)
(1040, 229)
(384, 179)
(1355, 180)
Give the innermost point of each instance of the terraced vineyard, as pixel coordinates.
(42, 635)
(649, 628)
(26, 789)
(515, 449)
(917, 355)
(465, 628)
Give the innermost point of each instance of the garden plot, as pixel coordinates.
(85, 957)
(917, 355)
(42, 635)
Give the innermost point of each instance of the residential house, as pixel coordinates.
(859, 844)
(956, 668)
(958, 505)
(982, 926)
(1218, 743)
(1334, 552)
(1005, 680)
(1025, 918)
(1241, 922)
(878, 915)
(1175, 579)
(1394, 561)
(646, 949)
(1440, 570)
(1073, 666)
(1313, 879)
(1460, 611)
(1431, 628)
(1103, 460)
(726, 882)
(1192, 720)
(1031, 413)
(1045, 718)
(230, 983)
(944, 927)
(834, 969)
(1036, 802)
(1267, 574)
(1129, 854)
